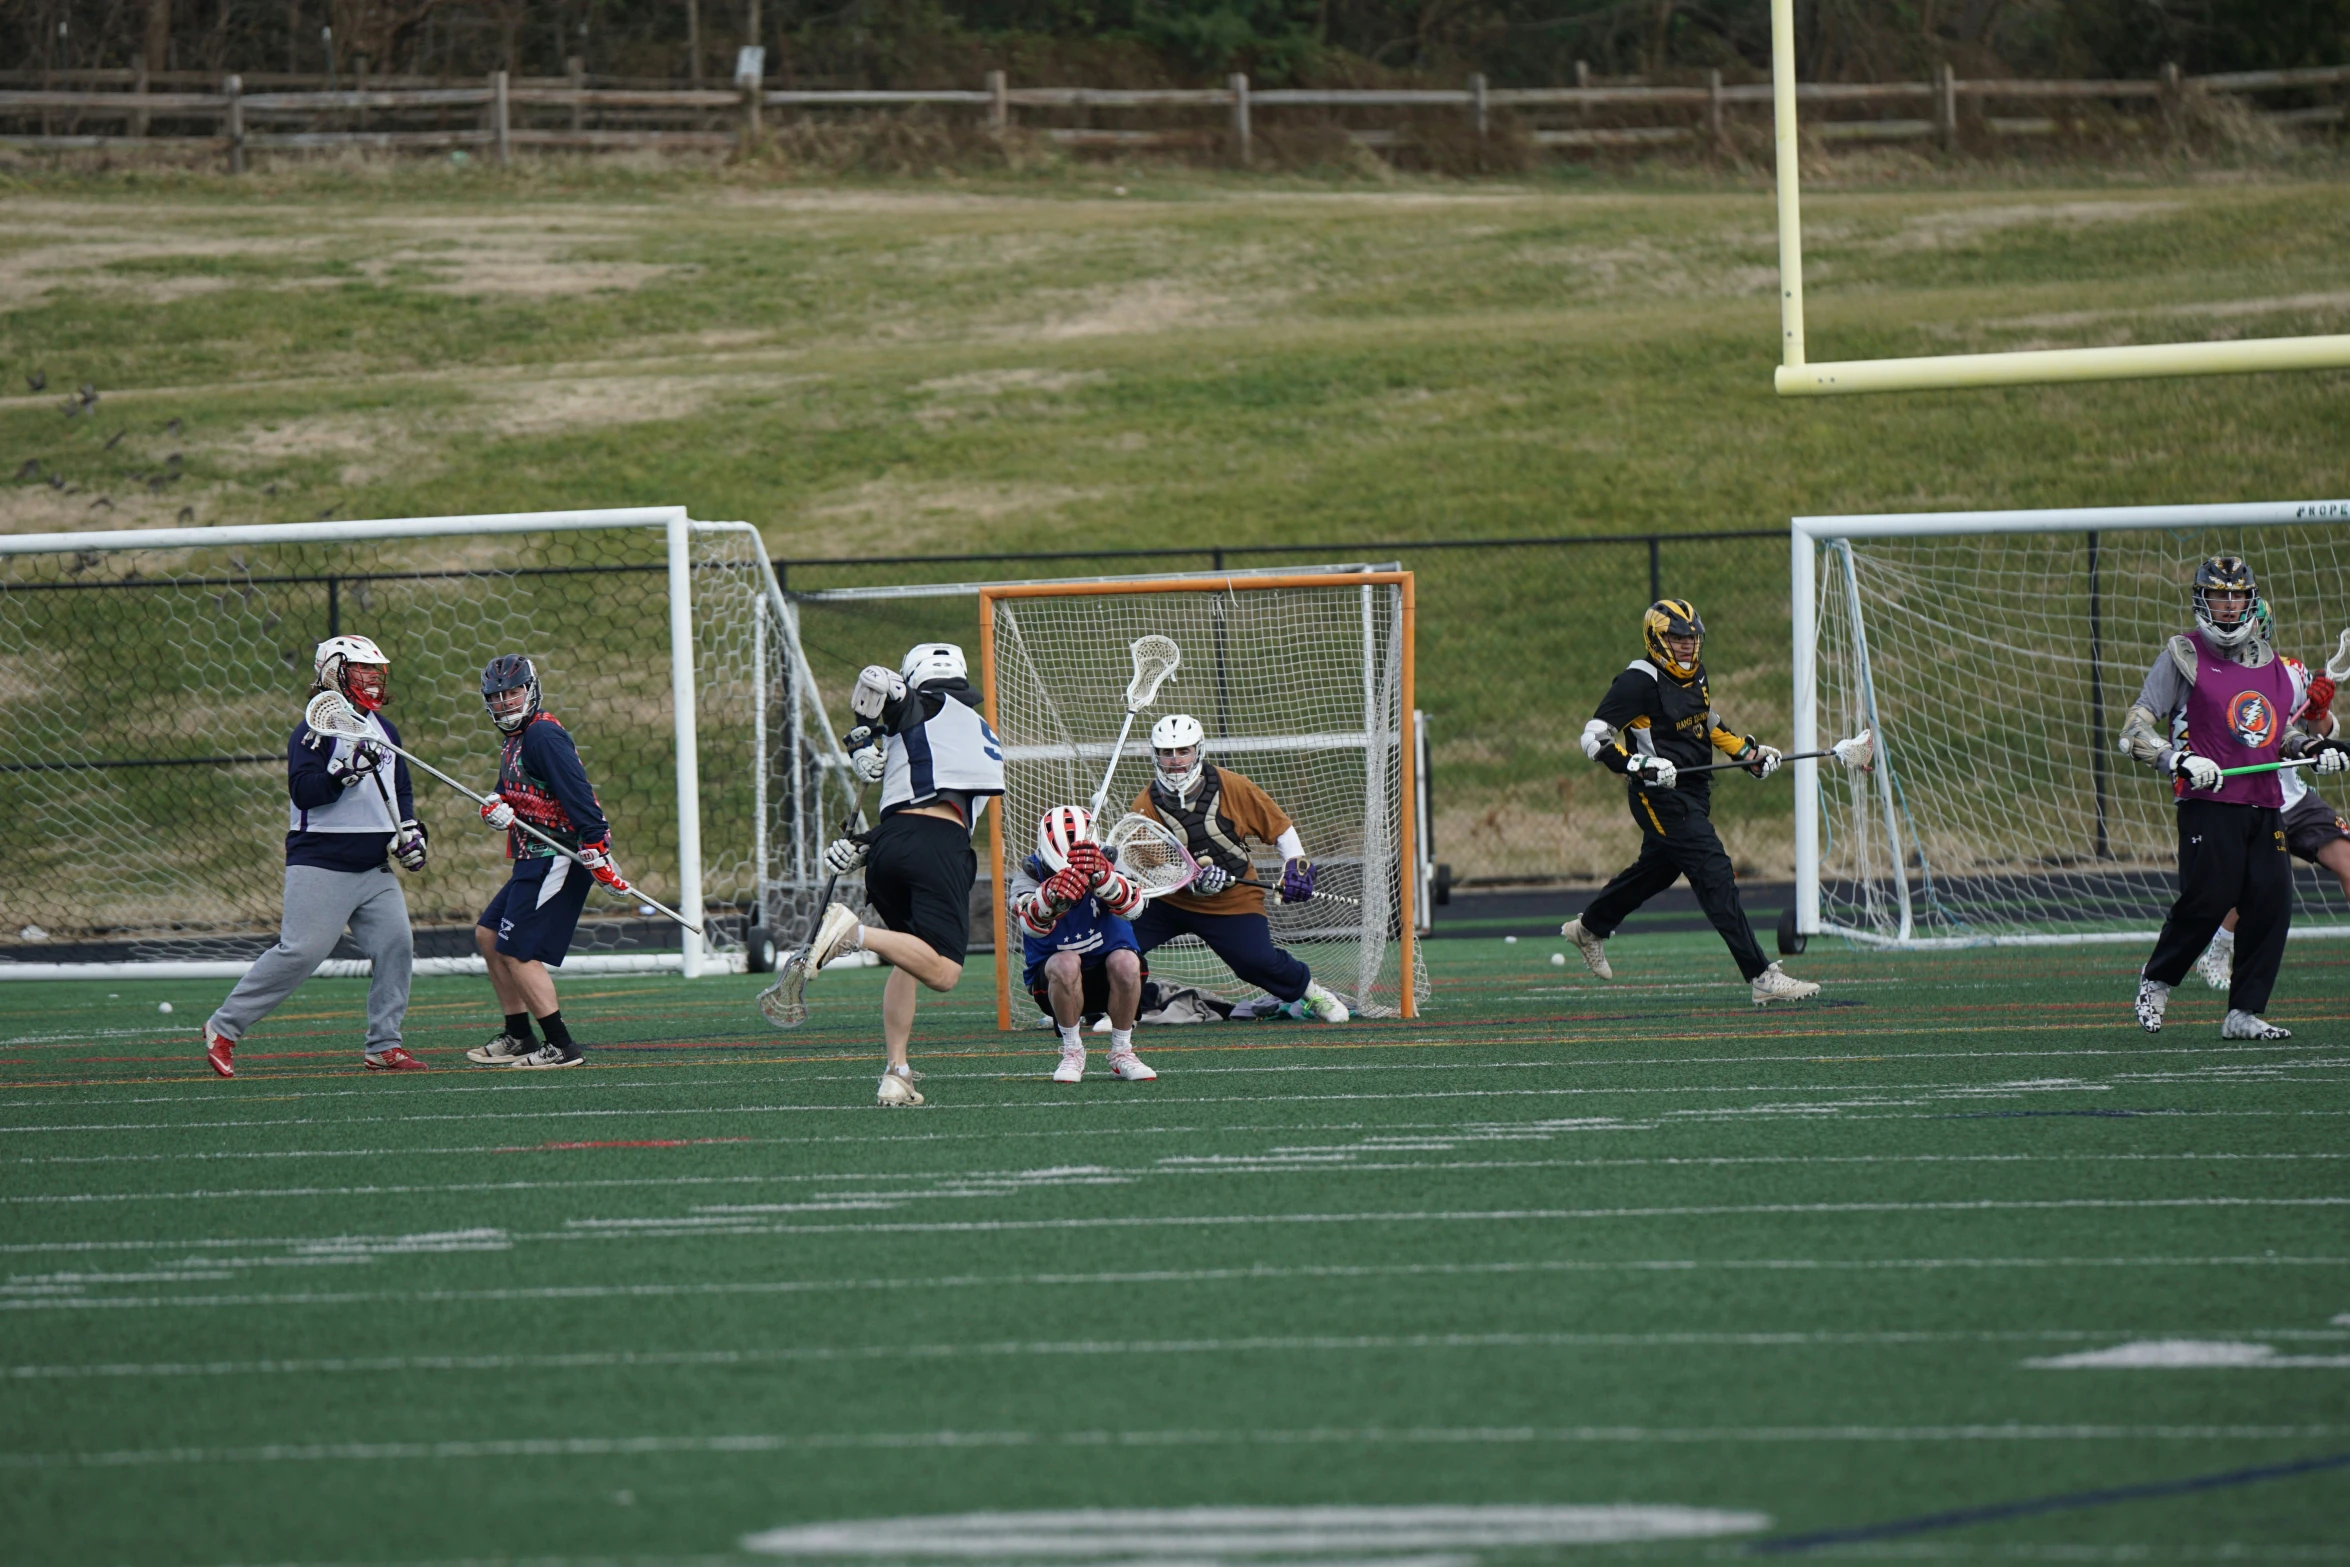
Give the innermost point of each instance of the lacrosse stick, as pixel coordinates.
(1155, 658)
(785, 1002)
(329, 714)
(1157, 862)
(2338, 667)
(1858, 753)
(2284, 767)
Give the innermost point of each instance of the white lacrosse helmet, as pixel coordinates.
(1179, 732)
(331, 665)
(1063, 828)
(930, 662)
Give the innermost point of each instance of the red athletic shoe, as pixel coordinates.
(221, 1052)
(396, 1059)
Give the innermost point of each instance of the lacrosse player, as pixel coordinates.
(1073, 909)
(1656, 720)
(343, 834)
(921, 738)
(2218, 698)
(2314, 831)
(528, 925)
(1216, 812)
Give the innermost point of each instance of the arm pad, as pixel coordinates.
(1597, 736)
(2140, 740)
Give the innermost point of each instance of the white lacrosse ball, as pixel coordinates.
(1558, 960)
(647, 910)
(163, 1006)
(1509, 941)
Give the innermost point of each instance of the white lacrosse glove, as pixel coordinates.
(843, 855)
(879, 691)
(1652, 772)
(2201, 772)
(408, 845)
(2333, 758)
(498, 813)
(1211, 880)
(869, 763)
(1761, 760)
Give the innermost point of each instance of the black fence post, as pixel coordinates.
(1655, 576)
(334, 608)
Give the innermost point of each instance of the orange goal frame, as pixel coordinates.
(1409, 827)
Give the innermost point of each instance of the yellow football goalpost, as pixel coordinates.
(1797, 377)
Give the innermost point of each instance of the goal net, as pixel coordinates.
(1301, 682)
(149, 683)
(1994, 655)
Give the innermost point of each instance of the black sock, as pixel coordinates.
(518, 1026)
(558, 1033)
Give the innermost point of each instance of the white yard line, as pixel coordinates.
(1374, 1436)
(1086, 1348)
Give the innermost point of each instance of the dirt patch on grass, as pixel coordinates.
(906, 513)
(1155, 305)
(1944, 230)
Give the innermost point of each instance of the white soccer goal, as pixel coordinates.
(1994, 655)
(149, 680)
(1303, 681)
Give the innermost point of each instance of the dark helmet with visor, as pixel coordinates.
(1672, 618)
(510, 672)
(2226, 574)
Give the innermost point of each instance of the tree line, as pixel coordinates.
(916, 43)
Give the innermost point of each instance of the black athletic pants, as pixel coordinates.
(2230, 857)
(1677, 839)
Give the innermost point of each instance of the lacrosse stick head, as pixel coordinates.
(1149, 856)
(2338, 667)
(1858, 753)
(785, 1003)
(1155, 658)
(329, 713)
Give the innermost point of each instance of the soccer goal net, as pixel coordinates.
(149, 683)
(1994, 655)
(1302, 683)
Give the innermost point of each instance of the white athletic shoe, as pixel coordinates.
(1776, 984)
(2243, 1025)
(839, 933)
(897, 1085)
(1319, 1005)
(503, 1050)
(1072, 1067)
(1594, 949)
(548, 1058)
(2153, 1001)
(1128, 1067)
(2218, 963)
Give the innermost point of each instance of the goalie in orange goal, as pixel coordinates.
(1217, 812)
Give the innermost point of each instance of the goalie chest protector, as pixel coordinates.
(952, 749)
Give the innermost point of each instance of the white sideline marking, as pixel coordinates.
(1326, 1343)
(1357, 1436)
(1192, 1535)
(2186, 1354)
(1248, 1275)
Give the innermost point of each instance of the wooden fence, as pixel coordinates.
(131, 109)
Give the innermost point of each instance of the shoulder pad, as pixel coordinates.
(1644, 666)
(2182, 653)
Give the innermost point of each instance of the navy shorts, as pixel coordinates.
(1243, 941)
(534, 916)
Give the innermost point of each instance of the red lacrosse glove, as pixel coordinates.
(1088, 861)
(598, 860)
(2321, 701)
(1067, 885)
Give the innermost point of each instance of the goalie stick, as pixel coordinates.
(1155, 658)
(328, 713)
(1157, 862)
(785, 1003)
(1858, 753)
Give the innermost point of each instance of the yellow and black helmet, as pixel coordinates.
(2226, 574)
(1672, 618)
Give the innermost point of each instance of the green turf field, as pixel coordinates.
(1555, 1244)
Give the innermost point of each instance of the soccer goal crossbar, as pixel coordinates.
(155, 675)
(1993, 654)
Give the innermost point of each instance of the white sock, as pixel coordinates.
(1072, 1036)
(1121, 1041)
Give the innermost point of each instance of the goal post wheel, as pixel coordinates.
(758, 947)
(1440, 886)
(1791, 941)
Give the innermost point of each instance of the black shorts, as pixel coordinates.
(2311, 825)
(919, 872)
(1093, 985)
(534, 915)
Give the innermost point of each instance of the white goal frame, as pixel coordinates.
(1808, 534)
(693, 957)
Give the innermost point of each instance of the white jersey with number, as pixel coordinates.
(361, 807)
(951, 752)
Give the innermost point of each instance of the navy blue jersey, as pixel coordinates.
(1086, 928)
(319, 836)
(540, 775)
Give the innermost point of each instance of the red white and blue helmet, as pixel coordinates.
(1064, 827)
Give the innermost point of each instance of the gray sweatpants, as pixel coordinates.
(319, 903)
